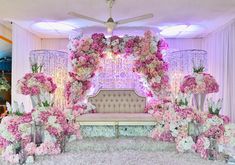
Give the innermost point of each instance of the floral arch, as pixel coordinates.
(85, 54)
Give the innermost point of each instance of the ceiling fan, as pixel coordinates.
(110, 23)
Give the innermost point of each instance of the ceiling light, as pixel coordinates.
(173, 30)
(53, 26)
(180, 30)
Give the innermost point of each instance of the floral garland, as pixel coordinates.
(199, 83)
(85, 56)
(35, 83)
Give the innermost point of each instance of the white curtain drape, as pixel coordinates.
(23, 43)
(221, 64)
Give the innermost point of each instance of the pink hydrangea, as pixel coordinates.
(207, 84)
(34, 83)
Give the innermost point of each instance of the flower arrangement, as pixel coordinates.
(182, 100)
(214, 107)
(174, 124)
(86, 52)
(199, 83)
(35, 83)
(15, 129)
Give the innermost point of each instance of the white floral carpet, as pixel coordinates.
(122, 151)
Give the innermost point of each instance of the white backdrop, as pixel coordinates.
(23, 43)
(221, 64)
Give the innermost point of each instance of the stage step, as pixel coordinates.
(114, 131)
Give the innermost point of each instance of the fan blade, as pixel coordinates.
(85, 17)
(146, 16)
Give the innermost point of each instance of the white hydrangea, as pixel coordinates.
(5, 133)
(25, 129)
(52, 121)
(185, 144)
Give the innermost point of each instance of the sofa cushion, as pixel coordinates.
(118, 101)
(116, 117)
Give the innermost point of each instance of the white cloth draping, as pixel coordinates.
(220, 46)
(23, 43)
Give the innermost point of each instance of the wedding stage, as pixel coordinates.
(123, 95)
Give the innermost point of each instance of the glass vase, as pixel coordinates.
(194, 129)
(38, 133)
(62, 141)
(35, 100)
(199, 100)
(213, 149)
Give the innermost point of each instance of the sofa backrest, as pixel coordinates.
(118, 101)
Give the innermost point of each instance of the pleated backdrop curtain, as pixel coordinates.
(221, 64)
(23, 43)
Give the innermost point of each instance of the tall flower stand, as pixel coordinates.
(199, 100)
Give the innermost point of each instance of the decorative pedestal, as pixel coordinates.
(194, 130)
(213, 149)
(199, 100)
(38, 133)
(35, 100)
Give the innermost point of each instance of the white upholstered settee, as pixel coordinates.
(117, 107)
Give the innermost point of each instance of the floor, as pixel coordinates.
(122, 151)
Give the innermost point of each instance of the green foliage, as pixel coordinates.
(199, 69)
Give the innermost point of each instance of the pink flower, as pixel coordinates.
(33, 83)
(225, 119)
(30, 148)
(208, 84)
(47, 148)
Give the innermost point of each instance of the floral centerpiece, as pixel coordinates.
(34, 85)
(199, 84)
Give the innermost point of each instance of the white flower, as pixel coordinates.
(48, 137)
(5, 133)
(174, 128)
(185, 144)
(199, 78)
(29, 160)
(10, 149)
(25, 129)
(52, 121)
(206, 143)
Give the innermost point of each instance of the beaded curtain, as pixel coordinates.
(117, 74)
(55, 64)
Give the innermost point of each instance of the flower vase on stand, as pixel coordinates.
(199, 100)
(35, 100)
(38, 133)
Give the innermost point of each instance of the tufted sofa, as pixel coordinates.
(117, 107)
